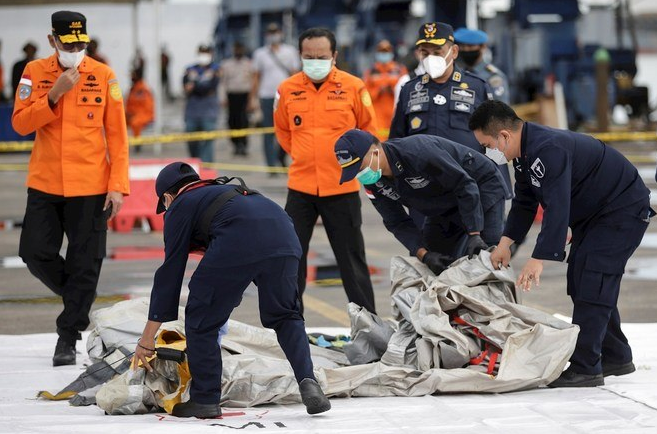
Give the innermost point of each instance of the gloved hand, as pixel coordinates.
(474, 245)
(436, 262)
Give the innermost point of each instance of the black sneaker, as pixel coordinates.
(617, 369)
(192, 409)
(64, 353)
(570, 378)
(313, 397)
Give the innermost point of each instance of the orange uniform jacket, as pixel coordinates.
(380, 82)
(81, 146)
(308, 122)
(139, 107)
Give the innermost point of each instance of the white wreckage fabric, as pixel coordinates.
(426, 353)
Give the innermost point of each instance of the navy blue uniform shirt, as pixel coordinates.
(427, 107)
(247, 229)
(436, 177)
(575, 178)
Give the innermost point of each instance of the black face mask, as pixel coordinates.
(470, 57)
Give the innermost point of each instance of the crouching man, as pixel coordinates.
(247, 238)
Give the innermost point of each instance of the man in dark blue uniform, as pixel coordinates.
(458, 191)
(582, 183)
(246, 238)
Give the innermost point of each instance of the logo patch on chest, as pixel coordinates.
(417, 182)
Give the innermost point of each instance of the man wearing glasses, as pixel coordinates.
(78, 171)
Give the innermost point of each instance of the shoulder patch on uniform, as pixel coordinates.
(538, 168)
(496, 81)
(491, 68)
(115, 91)
(365, 98)
(416, 122)
(24, 92)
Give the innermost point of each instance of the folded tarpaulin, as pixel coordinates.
(447, 326)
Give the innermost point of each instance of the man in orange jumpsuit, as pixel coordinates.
(312, 109)
(139, 107)
(78, 171)
(380, 81)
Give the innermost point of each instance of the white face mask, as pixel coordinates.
(317, 69)
(204, 59)
(436, 65)
(496, 154)
(70, 60)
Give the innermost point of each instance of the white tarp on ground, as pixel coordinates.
(624, 405)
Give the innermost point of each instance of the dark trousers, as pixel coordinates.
(215, 292)
(237, 119)
(47, 219)
(342, 219)
(596, 264)
(446, 234)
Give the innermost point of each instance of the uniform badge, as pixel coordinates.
(365, 98)
(297, 120)
(535, 182)
(115, 91)
(430, 30)
(425, 79)
(538, 168)
(464, 85)
(416, 107)
(462, 106)
(464, 95)
(456, 76)
(439, 99)
(399, 166)
(416, 123)
(417, 182)
(24, 92)
(418, 86)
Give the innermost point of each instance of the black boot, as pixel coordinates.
(192, 409)
(569, 378)
(313, 397)
(617, 369)
(64, 353)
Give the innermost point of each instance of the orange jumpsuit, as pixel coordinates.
(139, 107)
(380, 81)
(81, 146)
(308, 122)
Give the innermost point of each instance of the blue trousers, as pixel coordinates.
(215, 292)
(274, 155)
(596, 264)
(203, 149)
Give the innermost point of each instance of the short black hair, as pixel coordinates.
(492, 116)
(318, 32)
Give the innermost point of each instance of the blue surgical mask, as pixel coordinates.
(317, 69)
(382, 57)
(368, 176)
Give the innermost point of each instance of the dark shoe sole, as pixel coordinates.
(63, 362)
(201, 413)
(624, 369)
(317, 404)
(593, 382)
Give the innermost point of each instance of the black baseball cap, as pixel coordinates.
(350, 149)
(168, 177)
(69, 27)
(435, 33)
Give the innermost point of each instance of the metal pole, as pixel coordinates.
(159, 94)
(472, 14)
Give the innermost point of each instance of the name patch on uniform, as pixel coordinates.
(419, 97)
(538, 168)
(439, 99)
(535, 182)
(462, 106)
(417, 182)
(416, 123)
(24, 92)
(464, 95)
(365, 98)
(115, 91)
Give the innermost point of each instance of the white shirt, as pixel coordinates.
(271, 71)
